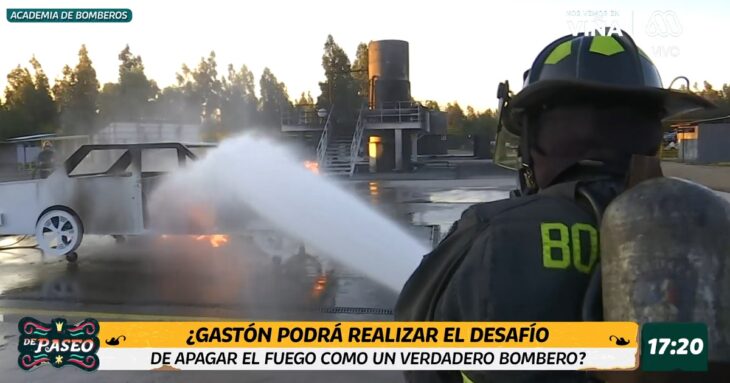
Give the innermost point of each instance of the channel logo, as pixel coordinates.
(58, 343)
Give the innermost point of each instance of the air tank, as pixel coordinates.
(388, 70)
(664, 258)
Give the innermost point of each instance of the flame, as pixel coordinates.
(216, 240)
(319, 285)
(313, 166)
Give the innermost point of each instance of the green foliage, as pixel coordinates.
(274, 100)
(28, 107)
(455, 119)
(339, 90)
(360, 71)
(305, 100)
(174, 106)
(77, 94)
(45, 117)
(62, 87)
(133, 97)
(239, 103)
(203, 89)
(462, 127)
(721, 97)
(225, 102)
(431, 104)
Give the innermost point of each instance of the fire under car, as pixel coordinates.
(100, 189)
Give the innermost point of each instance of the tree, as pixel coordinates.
(174, 106)
(488, 121)
(45, 118)
(77, 96)
(16, 114)
(431, 104)
(455, 119)
(274, 100)
(29, 107)
(463, 127)
(360, 71)
(239, 106)
(471, 122)
(62, 87)
(720, 97)
(483, 124)
(202, 90)
(305, 99)
(339, 90)
(133, 97)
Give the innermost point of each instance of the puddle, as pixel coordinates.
(470, 196)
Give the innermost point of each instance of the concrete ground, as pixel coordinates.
(188, 279)
(713, 176)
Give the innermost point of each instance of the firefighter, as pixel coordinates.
(46, 160)
(590, 105)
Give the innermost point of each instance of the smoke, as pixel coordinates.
(248, 178)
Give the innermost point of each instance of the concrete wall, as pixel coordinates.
(713, 143)
(139, 133)
(705, 144)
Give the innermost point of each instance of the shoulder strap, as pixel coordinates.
(563, 189)
(594, 194)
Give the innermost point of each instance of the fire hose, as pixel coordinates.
(13, 246)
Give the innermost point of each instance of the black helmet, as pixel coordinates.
(610, 66)
(582, 69)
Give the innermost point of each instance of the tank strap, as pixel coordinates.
(563, 189)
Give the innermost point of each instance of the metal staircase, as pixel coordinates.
(356, 147)
(323, 141)
(338, 155)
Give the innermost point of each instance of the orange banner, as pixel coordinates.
(369, 334)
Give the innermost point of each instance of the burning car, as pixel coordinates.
(99, 189)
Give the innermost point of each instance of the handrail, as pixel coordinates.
(323, 139)
(357, 140)
(399, 114)
(302, 116)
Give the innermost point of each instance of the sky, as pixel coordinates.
(459, 49)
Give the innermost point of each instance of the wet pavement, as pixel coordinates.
(189, 278)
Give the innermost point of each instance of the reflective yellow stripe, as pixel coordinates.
(560, 52)
(466, 378)
(606, 45)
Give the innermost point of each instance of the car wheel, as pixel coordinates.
(59, 232)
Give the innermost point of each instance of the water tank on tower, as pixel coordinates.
(388, 70)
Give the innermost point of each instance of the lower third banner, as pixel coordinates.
(460, 346)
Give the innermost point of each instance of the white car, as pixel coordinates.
(99, 189)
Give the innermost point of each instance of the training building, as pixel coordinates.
(703, 137)
(390, 131)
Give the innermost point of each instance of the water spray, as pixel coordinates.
(264, 177)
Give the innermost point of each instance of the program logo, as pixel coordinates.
(58, 343)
